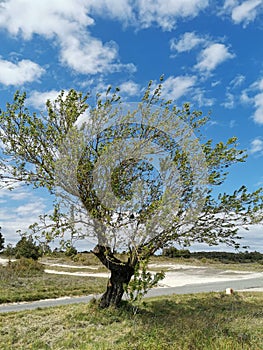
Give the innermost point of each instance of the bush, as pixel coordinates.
(26, 248)
(71, 251)
(21, 268)
(9, 250)
(173, 252)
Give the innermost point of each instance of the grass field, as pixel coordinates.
(49, 286)
(212, 321)
(26, 281)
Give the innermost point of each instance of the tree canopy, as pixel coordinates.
(134, 176)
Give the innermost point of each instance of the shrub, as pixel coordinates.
(71, 251)
(26, 248)
(21, 268)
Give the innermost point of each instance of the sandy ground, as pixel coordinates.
(5, 261)
(176, 276)
(181, 275)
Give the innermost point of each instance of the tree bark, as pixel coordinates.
(121, 274)
(115, 286)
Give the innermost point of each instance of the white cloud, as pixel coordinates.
(19, 73)
(237, 81)
(212, 56)
(67, 23)
(230, 101)
(176, 87)
(47, 18)
(20, 209)
(165, 13)
(130, 88)
(38, 99)
(30, 209)
(258, 103)
(254, 95)
(244, 98)
(116, 9)
(201, 99)
(256, 146)
(252, 238)
(260, 84)
(145, 13)
(187, 42)
(244, 12)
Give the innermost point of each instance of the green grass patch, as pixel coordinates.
(25, 280)
(212, 321)
(49, 286)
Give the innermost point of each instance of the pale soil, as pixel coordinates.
(177, 274)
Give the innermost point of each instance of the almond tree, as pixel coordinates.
(134, 177)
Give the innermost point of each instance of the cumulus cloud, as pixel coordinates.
(66, 22)
(19, 73)
(212, 56)
(176, 87)
(143, 14)
(38, 99)
(244, 12)
(186, 42)
(115, 9)
(256, 146)
(166, 13)
(130, 88)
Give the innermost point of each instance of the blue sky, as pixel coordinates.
(210, 53)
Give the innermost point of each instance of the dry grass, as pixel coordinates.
(210, 321)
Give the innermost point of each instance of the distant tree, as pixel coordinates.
(70, 250)
(173, 252)
(10, 250)
(96, 175)
(2, 240)
(27, 248)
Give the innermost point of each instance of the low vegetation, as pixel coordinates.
(212, 321)
(223, 257)
(25, 280)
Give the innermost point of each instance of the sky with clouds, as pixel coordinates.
(210, 53)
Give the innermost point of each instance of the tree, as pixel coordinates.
(2, 241)
(27, 248)
(135, 177)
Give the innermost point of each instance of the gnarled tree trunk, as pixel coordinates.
(121, 273)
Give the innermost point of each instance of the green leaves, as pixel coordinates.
(142, 282)
(31, 146)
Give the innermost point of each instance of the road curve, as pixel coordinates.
(236, 285)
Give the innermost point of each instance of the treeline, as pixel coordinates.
(225, 257)
(27, 248)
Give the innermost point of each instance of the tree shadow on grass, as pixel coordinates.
(207, 321)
